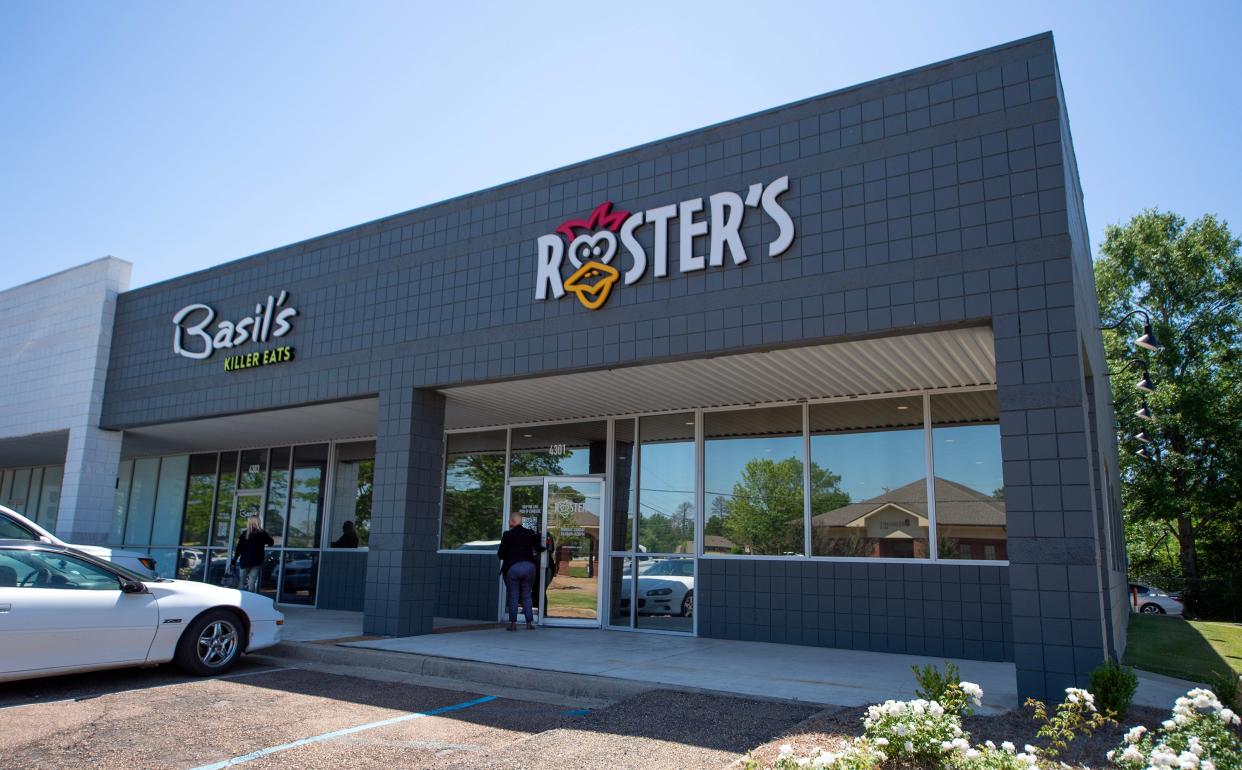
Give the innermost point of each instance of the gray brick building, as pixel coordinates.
(828, 374)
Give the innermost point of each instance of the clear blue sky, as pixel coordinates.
(179, 136)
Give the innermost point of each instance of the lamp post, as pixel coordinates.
(1146, 340)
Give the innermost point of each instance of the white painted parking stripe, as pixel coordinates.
(346, 731)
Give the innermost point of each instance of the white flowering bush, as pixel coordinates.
(1201, 734)
(923, 730)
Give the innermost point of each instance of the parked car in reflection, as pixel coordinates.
(15, 526)
(65, 611)
(665, 587)
(479, 545)
(1150, 600)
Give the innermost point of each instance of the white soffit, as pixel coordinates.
(900, 364)
(299, 425)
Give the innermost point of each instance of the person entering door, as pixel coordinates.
(519, 556)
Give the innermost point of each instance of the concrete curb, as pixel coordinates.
(484, 677)
(582, 686)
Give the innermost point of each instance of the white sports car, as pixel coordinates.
(64, 611)
(15, 526)
(664, 588)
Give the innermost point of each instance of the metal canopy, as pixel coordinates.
(899, 364)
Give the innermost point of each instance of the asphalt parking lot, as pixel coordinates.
(266, 716)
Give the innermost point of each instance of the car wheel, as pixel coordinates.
(1151, 609)
(211, 644)
(687, 604)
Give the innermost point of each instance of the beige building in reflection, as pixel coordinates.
(969, 524)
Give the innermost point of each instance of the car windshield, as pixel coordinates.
(681, 568)
(129, 574)
(11, 529)
(55, 569)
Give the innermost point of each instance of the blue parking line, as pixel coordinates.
(577, 712)
(347, 731)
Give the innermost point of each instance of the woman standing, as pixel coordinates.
(249, 554)
(519, 555)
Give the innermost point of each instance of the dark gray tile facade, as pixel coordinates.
(942, 196)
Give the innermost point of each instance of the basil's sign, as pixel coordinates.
(197, 333)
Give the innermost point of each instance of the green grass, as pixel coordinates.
(1196, 650)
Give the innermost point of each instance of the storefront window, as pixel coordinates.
(278, 494)
(120, 501)
(350, 522)
(49, 500)
(200, 488)
(568, 449)
(253, 470)
(306, 499)
(625, 491)
(226, 488)
(753, 480)
(142, 501)
(970, 488)
(666, 511)
(18, 489)
(170, 502)
(474, 484)
(299, 572)
(869, 479)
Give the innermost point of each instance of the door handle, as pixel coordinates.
(5, 608)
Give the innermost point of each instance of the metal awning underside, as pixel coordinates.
(900, 364)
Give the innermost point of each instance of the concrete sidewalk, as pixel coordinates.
(750, 669)
(607, 665)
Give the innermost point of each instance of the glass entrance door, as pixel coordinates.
(565, 513)
(571, 517)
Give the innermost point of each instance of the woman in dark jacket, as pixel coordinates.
(519, 556)
(249, 554)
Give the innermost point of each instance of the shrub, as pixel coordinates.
(932, 684)
(1113, 686)
(1201, 733)
(1076, 714)
(1228, 687)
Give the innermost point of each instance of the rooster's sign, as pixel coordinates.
(592, 243)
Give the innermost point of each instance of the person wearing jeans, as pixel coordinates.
(249, 554)
(519, 556)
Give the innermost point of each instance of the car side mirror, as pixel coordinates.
(132, 587)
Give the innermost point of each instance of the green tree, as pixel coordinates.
(1189, 278)
(474, 493)
(764, 514)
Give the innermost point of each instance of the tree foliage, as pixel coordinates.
(764, 514)
(1184, 502)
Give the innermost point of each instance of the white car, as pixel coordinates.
(664, 588)
(14, 526)
(1153, 601)
(63, 611)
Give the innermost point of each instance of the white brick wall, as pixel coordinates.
(55, 337)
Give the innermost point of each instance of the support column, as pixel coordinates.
(88, 492)
(405, 514)
(1053, 575)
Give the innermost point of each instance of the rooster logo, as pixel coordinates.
(592, 252)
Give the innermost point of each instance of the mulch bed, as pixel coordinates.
(832, 728)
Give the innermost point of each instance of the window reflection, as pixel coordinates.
(666, 514)
(350, 525)
(869, 479)
(970, 488)
(625, 494)
(278, 494)
(199, 491)
(665, 593)
(473, 491)
(568, 449)
(306, 498)
(753, 480)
